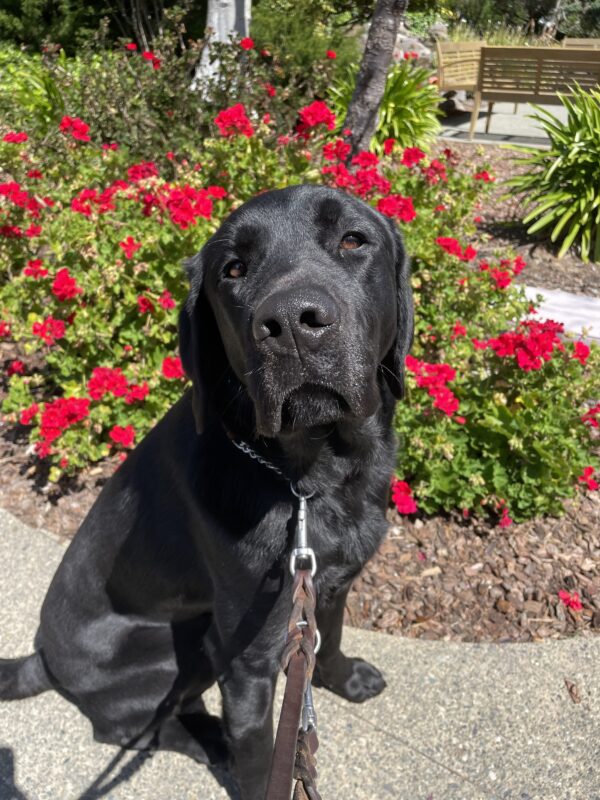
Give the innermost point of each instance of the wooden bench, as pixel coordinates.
(531, 75)
(583, 44)
(457, 65)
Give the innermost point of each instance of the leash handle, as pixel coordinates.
(284, 752)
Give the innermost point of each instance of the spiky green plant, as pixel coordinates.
(563, 182)
(409, 108)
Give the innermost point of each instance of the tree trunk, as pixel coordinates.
(223, 18)
(361, 117)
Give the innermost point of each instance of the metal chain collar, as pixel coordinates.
(245, 448)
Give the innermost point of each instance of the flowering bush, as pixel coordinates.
(500, 411)
(146, 100)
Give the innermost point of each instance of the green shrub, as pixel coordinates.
(563, 182)
(409, 108)
(299, 35)
(144, 103)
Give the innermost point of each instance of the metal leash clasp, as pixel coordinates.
(301, 549)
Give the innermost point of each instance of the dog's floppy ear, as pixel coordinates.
(200, 344)
(393, 362)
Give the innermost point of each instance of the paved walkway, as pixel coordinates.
(457, 721)
(506, 126)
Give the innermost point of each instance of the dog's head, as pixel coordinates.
(300, 302)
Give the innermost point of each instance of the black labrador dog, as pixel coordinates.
(294, 335)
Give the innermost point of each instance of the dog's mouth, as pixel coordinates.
(311, 405)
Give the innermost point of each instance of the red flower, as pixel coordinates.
(570, 600)
(172, 369)
(56, 417)
(441, 207)
(156, 62)
(581, 352)
(388, 146)
(586, 477)
(370, 180)
(35, 174)
(501, 277)
(33, 230)
(531, 344)
(145, 305)
(402, 497)
(484, 176)
(123, 436)
(233, 121)
(247, 43)
(217, 192)
(411, 156)
(35, 270)
(458, 330)
(15, 368)
(589, 418)
(4, 329)
(131, 46)
(317, 113)
(410, 54)
(130, 246)
(394, 205)
(505, 520)
(27, 415)
(336, 151)
(110, 146)
(141, 171)
(107, 380)
(15, 138)
(434, 378)
(518, 265)
(64, 287)
(435, 172)
(49, 330)
(166, 300)
(331, 54)
(453, 247)
(365, 159)
(136, 393)
(270, 89)
(76, 127)
(445, 400)
(148, 55)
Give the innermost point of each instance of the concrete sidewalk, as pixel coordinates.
(506, 127)
(457, 721)
(579, 314)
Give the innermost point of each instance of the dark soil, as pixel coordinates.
(438, 578)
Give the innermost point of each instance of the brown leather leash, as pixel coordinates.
(296, 740)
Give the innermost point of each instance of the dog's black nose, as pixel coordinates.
(295, 319)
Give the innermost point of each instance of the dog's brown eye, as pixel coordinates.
(351, 241)
(235, 269)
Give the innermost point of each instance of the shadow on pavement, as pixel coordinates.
(103, 783)
(8, 790)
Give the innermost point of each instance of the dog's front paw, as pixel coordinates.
(354, 680)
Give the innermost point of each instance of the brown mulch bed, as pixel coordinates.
(444, 578)
(501, 228)
(440, 578)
